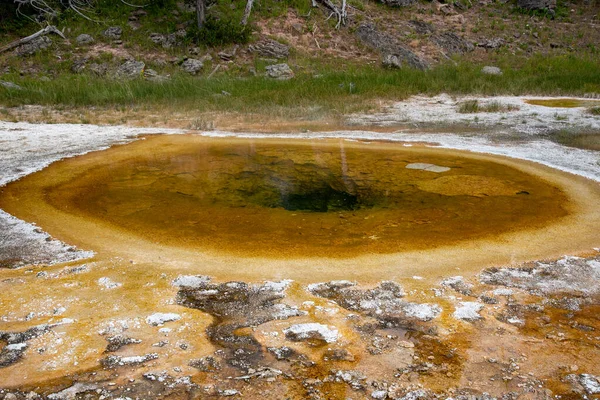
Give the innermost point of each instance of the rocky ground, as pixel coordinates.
(510, 333)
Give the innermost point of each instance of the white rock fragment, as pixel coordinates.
(301, 332)
(427, 167)
(590, 383)
(379, 394)
(229, 392)
(417, 278)
(339, 284)
(279, 286)
(16, 346)
(515, 321)
(468, 311)
(71, 392)
(423, 312)
(191, 281)
(108, 283)
(159, 319)
(503, 292)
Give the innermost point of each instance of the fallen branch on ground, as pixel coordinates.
(42, 32)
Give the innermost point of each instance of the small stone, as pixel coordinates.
(34, 46)
(391, 61)
(10, 85)
(488, 70)
(131, 69)
(84, 38)
(279, 71)
(192, 66)
(114, 33)
(303, 332)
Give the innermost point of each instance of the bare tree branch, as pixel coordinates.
(247, 12)
(42, 32)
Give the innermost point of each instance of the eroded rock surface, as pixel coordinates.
(384, 303)
(388, 45)
(236, 305)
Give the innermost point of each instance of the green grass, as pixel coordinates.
(594, 110)
(474, 106)
(327, 91)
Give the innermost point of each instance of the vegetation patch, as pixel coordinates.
(474, 106)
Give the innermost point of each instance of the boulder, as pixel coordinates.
(98, 69)
(192, 66)
(79, 65)
(422, 27)
(84, 38)
(388, 45)
(270, 48)
(488, 70)
(399, 3)
(452, 44)
(131, 69)
(391, 61)
(280, 71)
(491, 43)
(152, 75)
(113, 33)
(10, 85)
(166, 41)
(32, 47)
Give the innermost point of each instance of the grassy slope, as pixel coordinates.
(334, 86)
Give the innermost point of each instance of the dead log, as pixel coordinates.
(42, 32)
(247, 12)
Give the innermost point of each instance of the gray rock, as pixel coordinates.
(391, 61)
(451, 43)
(270, 48)
(131, 69)
(152, 75)
(118, 341)
(279, 71)
(422, 27)
(489, 70)
(494, 43)
(98, 69)
(388, 45)
(166, 41)
(113, 33)
(192, 66)
(10, 85)
(84, 38)
(37, 44)
(79, 65)
(399, 3)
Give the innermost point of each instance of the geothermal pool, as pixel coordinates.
(281, 200)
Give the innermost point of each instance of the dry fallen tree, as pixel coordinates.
(50, 8)
(41, 32)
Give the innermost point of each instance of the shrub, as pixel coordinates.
(219, 32)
